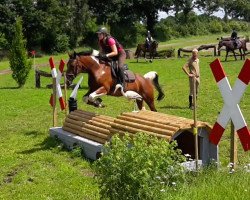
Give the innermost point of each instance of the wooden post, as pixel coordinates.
(37, 77)
(54, 103)
(195, 132)
(214, 50)
(65, 94)
(233, 148)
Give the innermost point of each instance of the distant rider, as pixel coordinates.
(234, 37)
(148, 41)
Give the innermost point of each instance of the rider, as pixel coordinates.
(234, 37)
(149, 40)
(110, 48)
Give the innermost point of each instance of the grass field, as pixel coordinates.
(34, 166)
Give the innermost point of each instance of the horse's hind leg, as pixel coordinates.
(139, 104)
(226, 56)
(234, 55)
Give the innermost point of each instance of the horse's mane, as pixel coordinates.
(85, 53)
(82, 53)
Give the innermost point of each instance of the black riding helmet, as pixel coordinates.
(102, 30)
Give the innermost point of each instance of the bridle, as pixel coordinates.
(76, 66)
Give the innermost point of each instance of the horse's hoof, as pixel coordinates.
(99, 100)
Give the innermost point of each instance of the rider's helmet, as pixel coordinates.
(102, 30)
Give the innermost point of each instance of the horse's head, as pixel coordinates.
(220, 44)
(155, 44)
(74, 67)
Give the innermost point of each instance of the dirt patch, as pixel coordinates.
(5, 71)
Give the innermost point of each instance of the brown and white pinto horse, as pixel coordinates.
(101, 82)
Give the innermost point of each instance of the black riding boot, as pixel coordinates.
(190, 101)
(122, 77)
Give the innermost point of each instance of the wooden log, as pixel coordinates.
(87, 136)
(92, 116)
(149, 123)
(160, 121)
(97, 129)
(136, 130)
(92, 122)
(145, 127)
(86, 131)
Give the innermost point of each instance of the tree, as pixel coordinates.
(19, 63)
(209, 6)
(129, 11)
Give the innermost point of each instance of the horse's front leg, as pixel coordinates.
(99, 92)
(234, 55)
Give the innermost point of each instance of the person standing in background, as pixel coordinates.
(192, 69)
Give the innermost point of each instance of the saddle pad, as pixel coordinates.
(129, 76)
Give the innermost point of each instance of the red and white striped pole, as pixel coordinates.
(53, 95)
(231, 108)
(58, 86)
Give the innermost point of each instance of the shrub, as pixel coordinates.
(215, 27)
(235, 25)
(19, 63)
(163, 32)
(138, 169)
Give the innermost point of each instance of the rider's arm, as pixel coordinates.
(185, 68)
(113, 47)
(114, 51)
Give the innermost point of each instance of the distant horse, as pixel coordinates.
(142, 48)
(229, 44)
(102, 82)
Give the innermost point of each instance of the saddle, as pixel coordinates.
(128, 75)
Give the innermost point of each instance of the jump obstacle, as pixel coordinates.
(90, 131)
(202, 47)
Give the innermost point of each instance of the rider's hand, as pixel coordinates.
(103, 56)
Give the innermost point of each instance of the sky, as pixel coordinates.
(217, 14)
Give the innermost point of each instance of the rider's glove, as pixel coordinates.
(103, 56)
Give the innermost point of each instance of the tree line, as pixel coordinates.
(57, 25)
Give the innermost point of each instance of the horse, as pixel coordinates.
(101, 81)
(142, 48)
(229, 44)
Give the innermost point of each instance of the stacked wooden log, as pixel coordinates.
(89, 125)
(100, 128)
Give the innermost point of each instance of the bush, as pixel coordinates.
(163, 32)
(19, 63)
(215, 27)
(138, 169)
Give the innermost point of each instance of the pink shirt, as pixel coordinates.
(111, 42)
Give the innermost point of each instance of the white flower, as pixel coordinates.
(174, 183)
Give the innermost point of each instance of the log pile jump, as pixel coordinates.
(202, 47)
(100, 128)
(91, 131)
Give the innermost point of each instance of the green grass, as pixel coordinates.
(34, 166)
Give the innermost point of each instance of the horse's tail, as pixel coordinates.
(153, 76)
